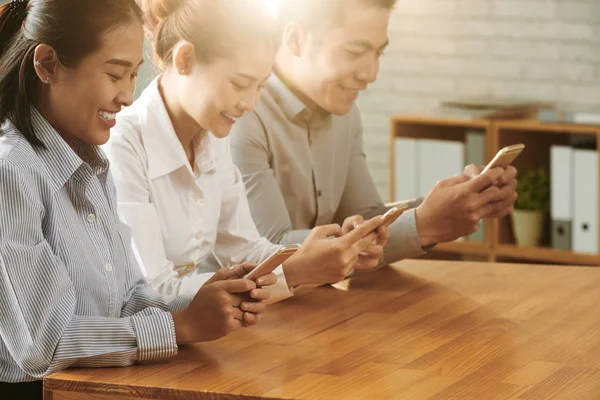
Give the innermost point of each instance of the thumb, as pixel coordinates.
(472, 170)
(237, 285)
(222, 275)
(452, 181)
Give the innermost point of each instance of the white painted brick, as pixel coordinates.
(473, 8)
(580, 52)
(580, 94)
(587, 11)
(422, 45)
(441, 86)
(471, 47)
(526, 90)
(426, 8)
(397, 63)
(466, 87)
(580, 73)
(524, 9)
(526, 49)
(578, 31)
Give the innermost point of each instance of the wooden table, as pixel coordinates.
(418, 330)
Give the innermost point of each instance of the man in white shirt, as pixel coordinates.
(301, 150)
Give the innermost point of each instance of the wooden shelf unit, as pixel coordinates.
(499, 242)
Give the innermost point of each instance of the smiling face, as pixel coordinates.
(83, 100)
(336, 64)
(215, 95)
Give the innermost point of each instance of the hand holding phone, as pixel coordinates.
(271, 263)
(505, 157)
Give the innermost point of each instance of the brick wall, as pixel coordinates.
(542, 49)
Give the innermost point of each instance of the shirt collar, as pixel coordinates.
(64, 161)
(291, 105)
(163, 148)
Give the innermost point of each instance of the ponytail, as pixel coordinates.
(17, 79)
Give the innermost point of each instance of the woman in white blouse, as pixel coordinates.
(177, 186)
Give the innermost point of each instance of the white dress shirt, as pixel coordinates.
(187, 222)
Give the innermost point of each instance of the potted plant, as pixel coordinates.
(531, 207)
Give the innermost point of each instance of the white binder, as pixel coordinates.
(437, 160)
(585, 201)
(405, 182)
(561, 194)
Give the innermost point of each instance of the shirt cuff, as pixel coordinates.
(404, 239)
(280, 290)
(155, 333)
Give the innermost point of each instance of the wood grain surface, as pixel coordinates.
(416, 330)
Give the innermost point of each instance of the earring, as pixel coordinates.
(37, 63)
(47, 81)
(182, 71)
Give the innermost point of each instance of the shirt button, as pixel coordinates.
(319, 193)
(197, 198)
(91, 218)
(198, 236)
(113, 315)
(108, 267)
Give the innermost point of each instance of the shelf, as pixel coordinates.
(440, 121)
(536, 126)
(545, 254)
(472, 248)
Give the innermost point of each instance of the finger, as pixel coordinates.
(266, 280)
(503, 208)
(237, 285)
(491, 195)
(325, 231)
(366, 263)
(251, 319)
(362, 231)
(236, 313)
(260, 294)
(509, 174)
(483, 181)
(351, 223)
(253, 307)
(383, 235)
(472, 170)
(365, 242)
(236, 300)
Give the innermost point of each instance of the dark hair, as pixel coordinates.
(214, 27)
(319, 15)
(73, 28)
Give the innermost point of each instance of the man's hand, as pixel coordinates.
(370, 257)
(454, 206)
(507, 183)
(322, 259)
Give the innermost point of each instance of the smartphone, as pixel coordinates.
(505, 157)
(394, 213)
(271, 263)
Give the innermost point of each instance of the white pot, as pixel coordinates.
(528, 227)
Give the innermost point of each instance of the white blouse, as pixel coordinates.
(186, 222)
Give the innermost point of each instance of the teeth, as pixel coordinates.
(231, 117)
(107, 116)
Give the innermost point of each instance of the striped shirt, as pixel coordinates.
(71, 293)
